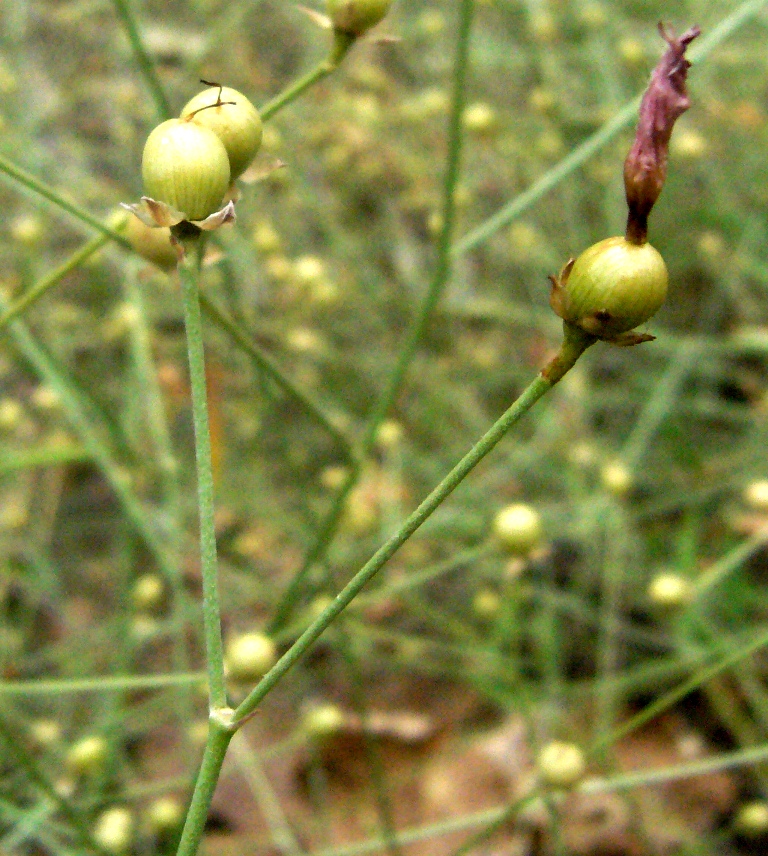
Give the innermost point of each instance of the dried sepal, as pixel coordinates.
(664, 101)
(158, 215)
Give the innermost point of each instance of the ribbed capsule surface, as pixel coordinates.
(614, 286)
(186, 166)
(234, 120)
(357, 16)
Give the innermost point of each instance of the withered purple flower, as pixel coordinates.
(664, 101)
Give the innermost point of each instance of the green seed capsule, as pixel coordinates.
(611, 288)
(355, 17)
(234, 120)
(185, 165)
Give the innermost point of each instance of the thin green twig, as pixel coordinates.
(40, 188)
(83, 420)
(440, 277)
(9, 735)
(341, 44)
(574, 345)
(267, 365)
(42, 286)
(671, 698)
(188, 274)
(582, 153)
(143, 59)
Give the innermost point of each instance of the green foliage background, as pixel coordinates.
(637, 462)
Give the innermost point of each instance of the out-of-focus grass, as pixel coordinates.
(638, 464)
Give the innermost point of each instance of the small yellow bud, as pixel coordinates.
(164, 815)
(518, 528)
(752, 819)
(323, 720)
(114, 830)
(249, 656)
(480, 118)
(756, 495)
(561, 765)
(148, 593)
(616, 479)
(87, 755)
(669, 591)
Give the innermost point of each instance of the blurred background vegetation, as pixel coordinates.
(645, 464)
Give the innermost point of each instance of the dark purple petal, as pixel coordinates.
(664, 101)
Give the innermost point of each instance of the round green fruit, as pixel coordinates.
(186, 166)
(355, 17)
(234, 120)
(612, 287)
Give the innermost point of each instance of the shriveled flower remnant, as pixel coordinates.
(621, 282)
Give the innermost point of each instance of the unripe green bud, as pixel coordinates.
(185, 165)
(87, 755)
(234, 120)
(355, 17)
(164, 815)
(114, 830)
(561, 765)
(611, 288)
(752, 819)
(518, 528)
(249, 656)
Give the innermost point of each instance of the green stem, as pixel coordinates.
(143, 60)
(9, 735)
(574, 344)
(219, 735)
(40, 188)
(443, 266)
(225, 722)
(33, 294)
(209, 569)
(671, 698)
(341, 44)
(270, 368)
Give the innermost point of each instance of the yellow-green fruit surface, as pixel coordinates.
(614, 286)
(234, 120)
(186, 166)
(357, 16)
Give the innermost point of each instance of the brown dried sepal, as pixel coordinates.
(664, 101)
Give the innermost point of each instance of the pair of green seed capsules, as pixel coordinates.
(189, 163)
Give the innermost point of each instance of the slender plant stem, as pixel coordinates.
(9, 735)
(216, 745)
(341, 44)
(40, 188)
(51, 454)
(42, 286)
(224, 722)
(440, 277)
(188, 275)
(266, 364)
(671, 698)
(575, 343)
(143, 60)
(84, 421)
